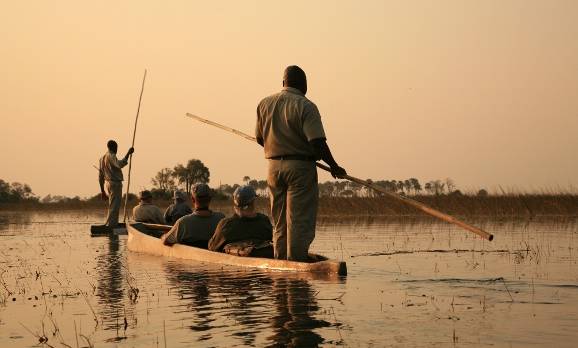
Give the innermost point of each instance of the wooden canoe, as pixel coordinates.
(103, 230)
(144, 238)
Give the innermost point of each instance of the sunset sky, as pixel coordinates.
(483, 92)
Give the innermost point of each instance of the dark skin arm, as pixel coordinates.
(129, 152)
(322, 152)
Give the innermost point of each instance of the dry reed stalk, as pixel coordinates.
(164, 333)
(95, 317)
(508, 290)
(76, 335)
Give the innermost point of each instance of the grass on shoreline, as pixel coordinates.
(512, 205)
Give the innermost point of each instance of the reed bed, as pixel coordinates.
(497, 206)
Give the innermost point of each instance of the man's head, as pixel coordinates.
(178, 196)
(295, 77)
(112, 146)
(244, 200)
(146, 196)
(201, 196)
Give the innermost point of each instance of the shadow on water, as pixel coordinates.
(253, 302)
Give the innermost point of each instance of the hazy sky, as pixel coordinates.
(484, 92)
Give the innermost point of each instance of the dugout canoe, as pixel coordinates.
(103, 230)
(144, 238)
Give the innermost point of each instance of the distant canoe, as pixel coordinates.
(144, 238)
(103, 230)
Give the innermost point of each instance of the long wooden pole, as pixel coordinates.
(133, 138)
(418, 205)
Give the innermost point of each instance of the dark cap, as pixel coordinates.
(243, 196)
(201, 191)
(145, 194)
(294, 74)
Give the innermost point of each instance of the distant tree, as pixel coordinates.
(227, 189)
(346, 193)
(415, 185)
(254, 183)
(407, 185)
(390, 185)
(450, 185)
(5, 195)
(482, 193)
(428, 187)
(456, 193)
(15, 192)
(194, 172)
(339, 186)
(21, 191)
(438, 187)
(246, 179)
(369, 192)
(326, 189)
(164, 180)
(263, 187)
(400, 185)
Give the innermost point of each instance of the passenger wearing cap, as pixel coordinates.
(246, 229)
(290, 130)
(197, 228)
(146, 211)
(178, 209)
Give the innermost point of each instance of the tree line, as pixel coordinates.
(183, 177)
(15, 192)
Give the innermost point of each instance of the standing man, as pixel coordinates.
(110, 171)
(290, 130)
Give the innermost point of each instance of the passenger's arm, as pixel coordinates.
(217, 241)
(322, 152)
(170, 238)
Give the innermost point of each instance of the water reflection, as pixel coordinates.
(295, 320)
(110, 289)
(238, 303)
(10, 221)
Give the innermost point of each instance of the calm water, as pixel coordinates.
(409, 284)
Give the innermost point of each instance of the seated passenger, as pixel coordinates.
(246, 233)
(197, 228)
(178, 209)
(146, 211)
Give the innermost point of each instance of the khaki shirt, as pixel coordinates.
(236, 228)
(287, 122)
(193, 228)
(110, 167)
(176, 211)
(149, 213)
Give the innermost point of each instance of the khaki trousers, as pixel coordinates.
(294, 197)
(114, 191)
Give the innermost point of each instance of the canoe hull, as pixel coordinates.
(144, 243)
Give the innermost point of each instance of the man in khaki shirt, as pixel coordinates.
(146, 211)
(195, 229)
(110, 176)
(289, 128)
